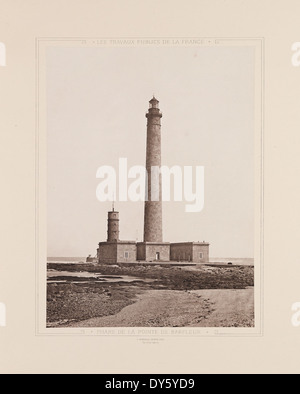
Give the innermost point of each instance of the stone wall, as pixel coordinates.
(146, 251)
(126, 252)
(153, 248)
(108, 252)
(182, 251)
(117, 252)
(123, 251)
(202, 248)
(141, 251)
(190, 251)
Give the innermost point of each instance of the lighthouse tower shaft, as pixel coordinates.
(113, 226)
(153, 204)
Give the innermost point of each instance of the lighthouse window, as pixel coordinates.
(126, 255)
(201, 255)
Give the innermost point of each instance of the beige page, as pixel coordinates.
(76, 79)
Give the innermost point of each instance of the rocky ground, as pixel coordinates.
(171, 296)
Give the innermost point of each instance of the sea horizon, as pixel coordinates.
(234, 260)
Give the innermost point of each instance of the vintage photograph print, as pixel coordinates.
(151, 173)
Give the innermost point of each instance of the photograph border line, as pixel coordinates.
(207, 332)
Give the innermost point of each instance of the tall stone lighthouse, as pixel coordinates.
(153, 248)
(153, 203)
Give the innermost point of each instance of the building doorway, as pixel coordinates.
(157, 256)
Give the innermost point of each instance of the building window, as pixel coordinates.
(126, 255)
(201, 255)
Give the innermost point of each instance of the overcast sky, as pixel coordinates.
(96, 104)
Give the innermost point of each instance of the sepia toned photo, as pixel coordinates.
(150, 190)
(151, 184)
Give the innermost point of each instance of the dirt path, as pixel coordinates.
(231, 308)
(171, 308)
